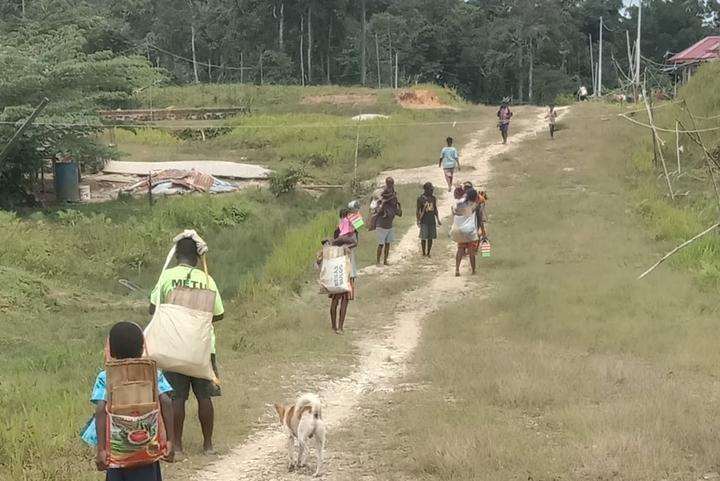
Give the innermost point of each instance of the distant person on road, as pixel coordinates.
(551, 117)
(504, 115)
(582, 93)
(428, 218)
(449, 161)
(388, 208)
(185, 274)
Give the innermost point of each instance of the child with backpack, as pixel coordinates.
(126, 342)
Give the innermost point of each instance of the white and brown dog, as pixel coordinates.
(303, 422)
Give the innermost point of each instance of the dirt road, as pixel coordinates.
(384, 355)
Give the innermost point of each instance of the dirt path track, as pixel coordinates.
(383, 355)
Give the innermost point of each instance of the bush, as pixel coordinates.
(285, 180)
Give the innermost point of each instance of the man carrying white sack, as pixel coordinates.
(189, 247)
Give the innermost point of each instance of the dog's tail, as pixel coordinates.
(311, 401)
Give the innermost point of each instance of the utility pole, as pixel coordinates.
(396, 68)
(592, 66)
(194, 57)
(637, 50)
(599, 81)
(377, 55)
(363, 43)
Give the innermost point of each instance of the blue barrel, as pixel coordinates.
(67, 182)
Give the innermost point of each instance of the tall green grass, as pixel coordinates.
(61, 298)
(695, 208)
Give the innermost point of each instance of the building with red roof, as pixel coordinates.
(687, 61)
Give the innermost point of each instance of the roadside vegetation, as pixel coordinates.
(696, 205)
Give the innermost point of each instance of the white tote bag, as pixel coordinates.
(178, 338)
(335, 270)
(464, 227)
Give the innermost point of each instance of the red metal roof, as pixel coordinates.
(706, 49)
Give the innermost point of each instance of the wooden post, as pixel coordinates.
(357, 150)
(261, 68)
(377, 56)
(149, 186)
(209, 71)
(677, 145)
(656, 142)
(637, 48)
(242, 67)
(631, 67)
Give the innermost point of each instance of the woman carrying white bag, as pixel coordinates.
(468, 223)
(181, 339)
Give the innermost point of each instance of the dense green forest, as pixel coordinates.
(486, 49)
(91, 54)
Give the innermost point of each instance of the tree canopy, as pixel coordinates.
(486, 49)
(92, 54)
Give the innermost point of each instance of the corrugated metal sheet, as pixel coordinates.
(706, 49)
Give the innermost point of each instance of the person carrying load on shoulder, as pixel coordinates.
(138, 451)
(189, 247)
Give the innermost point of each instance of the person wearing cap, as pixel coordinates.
(427, 216)
(504, 115)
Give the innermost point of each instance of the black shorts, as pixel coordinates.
(150, 472)
(202, 388)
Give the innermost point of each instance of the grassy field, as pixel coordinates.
(273, 99)
(310, 128)
(561, 365)
(63, 268)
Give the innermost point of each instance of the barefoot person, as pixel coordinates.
(345, 236)
(185, 274)
(466, 214)
(388, 208)
(428, 218)
(504, 115)
(449, 161)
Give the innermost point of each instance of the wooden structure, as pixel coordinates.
(686, 62)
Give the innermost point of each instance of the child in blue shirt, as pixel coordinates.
(126, 342)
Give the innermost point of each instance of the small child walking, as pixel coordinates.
(126, 341)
